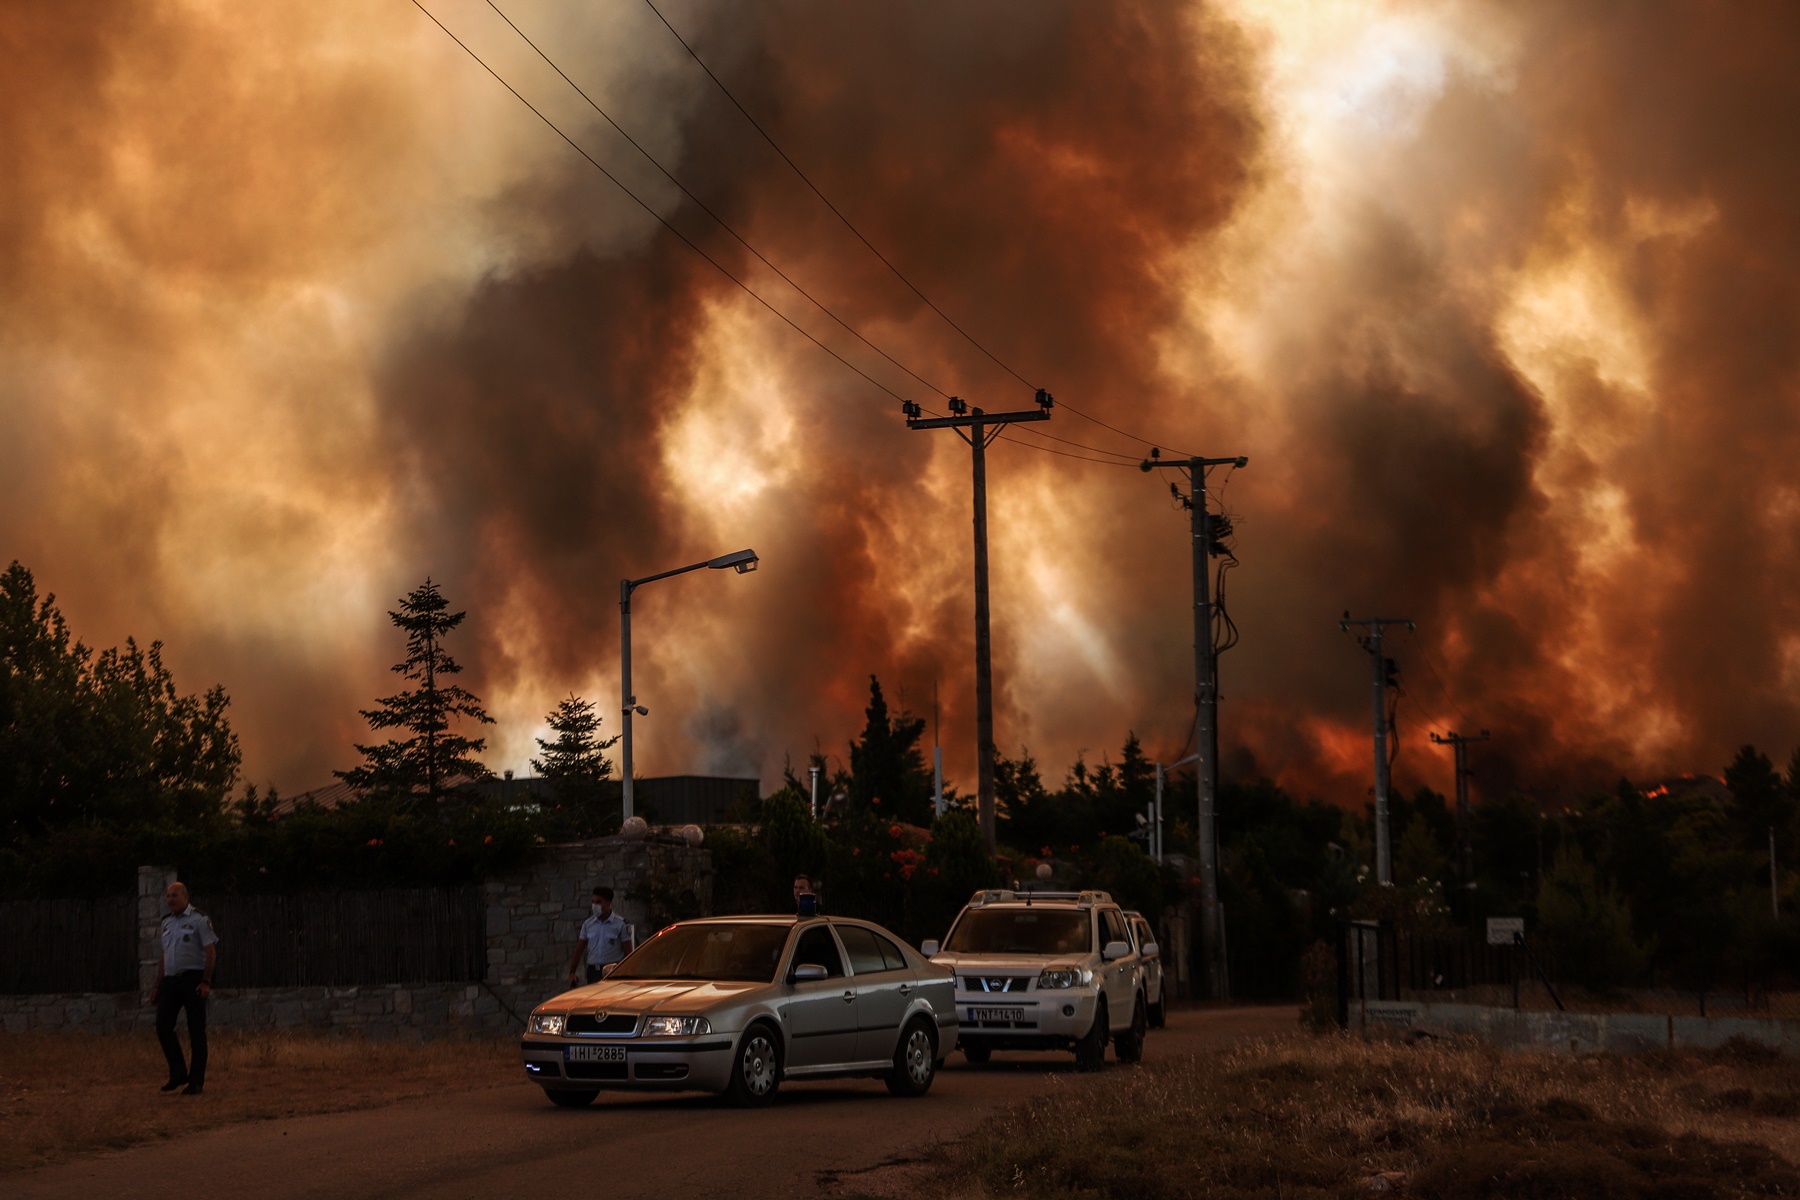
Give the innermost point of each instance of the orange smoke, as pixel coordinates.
(1498, 298)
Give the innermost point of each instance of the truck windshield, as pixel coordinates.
(726, 953)
(1021, 931)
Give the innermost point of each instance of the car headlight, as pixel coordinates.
(676, 1026)
(1065, 977)
(551, 1023)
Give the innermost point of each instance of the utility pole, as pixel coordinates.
(1162, 775)
(983, 427)
(1465, 853)
(1206, 697)
(1774, 879)
(1384, 676)
(937, 757)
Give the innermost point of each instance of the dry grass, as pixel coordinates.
(64, 1095)
(1333, 1116)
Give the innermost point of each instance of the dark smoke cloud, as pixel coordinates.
(1499, 299)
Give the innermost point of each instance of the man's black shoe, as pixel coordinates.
(192, 1089)
(174, 1085)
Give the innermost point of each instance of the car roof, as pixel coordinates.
(778, 919)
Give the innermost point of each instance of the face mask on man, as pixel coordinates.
(600, 910)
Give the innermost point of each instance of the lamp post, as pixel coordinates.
(741, 561)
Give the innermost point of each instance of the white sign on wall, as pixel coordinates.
(1504, 931)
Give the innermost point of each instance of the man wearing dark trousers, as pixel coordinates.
(190, 952)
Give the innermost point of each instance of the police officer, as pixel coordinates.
(189, 955)
(605, 938)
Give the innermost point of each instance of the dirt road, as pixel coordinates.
(509, 1141)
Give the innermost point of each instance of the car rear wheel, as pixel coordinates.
(1159, 1015)
(915, 1062)
(756, 1071)
(564, 1098)
(1129, 1046)
(1090, 1051)
(977, 1052)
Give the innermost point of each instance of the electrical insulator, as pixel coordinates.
(1045, 400)
(958, 405)
(1390, 672)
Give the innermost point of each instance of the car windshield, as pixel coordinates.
(1021, 931)
(725, 953)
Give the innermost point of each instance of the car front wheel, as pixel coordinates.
(756, 1071)
(563, 1098)
(977, 1052)
(915, 1062)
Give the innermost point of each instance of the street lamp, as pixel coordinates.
(741, 561)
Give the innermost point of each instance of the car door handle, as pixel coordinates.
(849, 995)
(906, 989)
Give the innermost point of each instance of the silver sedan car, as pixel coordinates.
(738, 1004)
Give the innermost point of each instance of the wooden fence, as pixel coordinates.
(84, 945)
(315, 939)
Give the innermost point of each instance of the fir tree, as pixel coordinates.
(575, 763)
(431, 757)
(887, 764)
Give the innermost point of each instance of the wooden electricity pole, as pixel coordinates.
(982, 427)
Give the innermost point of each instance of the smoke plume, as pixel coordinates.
(301, 305)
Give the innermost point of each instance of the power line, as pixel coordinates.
(1105, 462)
(756, 125)
(848, 224)
(688, 242)
(723, 224)
(1442, 686)
(1129, 460)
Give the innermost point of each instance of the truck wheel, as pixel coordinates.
(1129, 1046)
(1090, 1051)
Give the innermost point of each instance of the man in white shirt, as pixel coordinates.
(605, 939)
(190, 952)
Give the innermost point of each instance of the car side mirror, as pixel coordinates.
(1115, 950)
(806, 971)
(929, 947)
(608, 969)
(1151, 950)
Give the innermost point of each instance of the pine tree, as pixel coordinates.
(887, 764)
(432, 757)
(575, 763)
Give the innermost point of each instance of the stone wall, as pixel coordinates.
(533, 918)
(1572, 1032)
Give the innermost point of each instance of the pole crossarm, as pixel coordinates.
(1005, 418)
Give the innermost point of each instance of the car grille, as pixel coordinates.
(995, 983)
(587, 1070)
(1029, 1023)
(613, 1023)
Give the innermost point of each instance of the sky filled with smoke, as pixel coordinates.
(298, 305)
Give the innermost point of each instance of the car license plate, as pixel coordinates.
(996, 1014)
(612, 1054)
